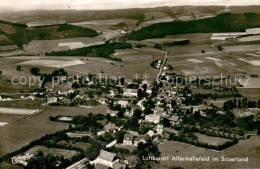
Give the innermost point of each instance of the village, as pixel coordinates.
(140, 115)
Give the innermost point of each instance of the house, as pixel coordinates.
(128, 139)
(146, 82)
(159, 129)
(65, 118)
(102, 100)
(130, 92)
(103, 122)
(105, 158)
(112, 113)
(158, 109)
(101, 166)
(109, 127)
(153, 118)
(129, 81)
(149, 90)
(174, 119)
(131, 161)
(162, 95)
(129, 113)
(147, 136)
(136, 141)
(123, 103)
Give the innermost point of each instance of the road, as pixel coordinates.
(161, 67)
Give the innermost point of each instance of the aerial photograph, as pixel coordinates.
(133, 84)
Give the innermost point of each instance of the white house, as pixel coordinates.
(174, 119)
(128, 139)
(130, 92)
(112, 113)
(105, 158)
(153, 118)
(159, 129)
(111, 144)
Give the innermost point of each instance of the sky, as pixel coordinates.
(111, 4)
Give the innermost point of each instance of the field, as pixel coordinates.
(18, 111)
(245, 148)
(52, 63)
(67, 154)
(133, 61)
(22, 131)
(101, 25)
(242, 48)
(5, 40)
(211, 140)
(251, 62)
(249, 38)
(3, 123)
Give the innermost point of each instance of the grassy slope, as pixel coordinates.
(221, 23)
(24, 35)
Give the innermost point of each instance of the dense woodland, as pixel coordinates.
(103, 51)
(221, 23)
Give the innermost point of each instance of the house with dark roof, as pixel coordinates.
(128, 139)
(147, 136)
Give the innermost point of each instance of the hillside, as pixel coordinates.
(221, 23)
(19, 34)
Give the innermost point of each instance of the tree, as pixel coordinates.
(220, 48)
(140, 93)
(35, 71)
(93, 151)
(59, 72)
(158, 46)
(19, 68)
(203, 51)
(166, 122)
(137, 113)
(119, 136)
(1, 72)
